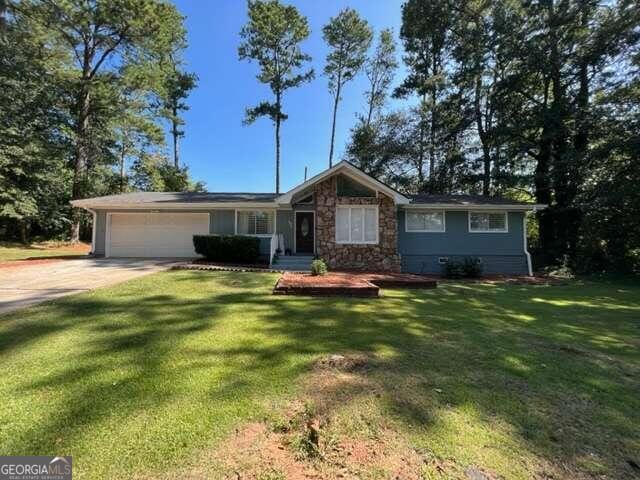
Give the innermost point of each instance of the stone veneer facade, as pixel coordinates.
(381, 257)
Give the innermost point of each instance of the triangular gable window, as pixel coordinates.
(347, 187)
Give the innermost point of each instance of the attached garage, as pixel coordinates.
(153, 234)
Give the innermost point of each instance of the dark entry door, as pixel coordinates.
(304, 232)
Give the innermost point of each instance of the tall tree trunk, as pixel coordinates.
(122, 157)
(372, 97)
(278, 106)
(24, 232)
(432, 132)
(369, 113)
(3, 19)
(561, 158)
(580, 147)
(484, 141)
(333, 123)
(421, 136)
(541, 179)
(175, 133)
(81, 155)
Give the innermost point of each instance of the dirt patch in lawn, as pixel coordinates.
(302, 439)
(300, 443)
(313, 437)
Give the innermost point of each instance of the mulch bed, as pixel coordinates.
(345, 284)
(400, 280)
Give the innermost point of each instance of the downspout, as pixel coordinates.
(93, 230)
(524, 237)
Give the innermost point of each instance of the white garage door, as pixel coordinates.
(154, 234)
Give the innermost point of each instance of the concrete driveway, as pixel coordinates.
(30, 284)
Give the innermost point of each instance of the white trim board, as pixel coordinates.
(363, 207)
(501, 212)
(444, 222)
(353, 172)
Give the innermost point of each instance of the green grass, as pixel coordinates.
(144, 376)
(17, 251)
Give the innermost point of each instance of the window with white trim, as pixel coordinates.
(356, 224)
(424, 220)
(495, 222)
(255, 222)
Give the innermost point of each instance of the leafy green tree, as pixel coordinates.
(380, 69)
(33, 130)
(272, 37)
(425, 35)
(385, 148)
(154, 172)
(136, 131)
(102, 37)
(177, 86)
(348, 37)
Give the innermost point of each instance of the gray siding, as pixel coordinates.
(500, 252)
(101, 229)
(501, 264)
(222, 222)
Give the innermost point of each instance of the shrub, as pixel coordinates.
(319, 267)
(472, 267)
(227, 248)
(468, 267)
(453, 269)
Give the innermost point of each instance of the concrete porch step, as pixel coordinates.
(293, 262)
(294, 259)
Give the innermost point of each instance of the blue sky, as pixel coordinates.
(228, 156)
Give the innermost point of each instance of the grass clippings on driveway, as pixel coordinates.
(154, 377)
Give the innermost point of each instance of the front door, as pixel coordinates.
(304, 232)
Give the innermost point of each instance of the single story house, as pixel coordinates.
(342, 215)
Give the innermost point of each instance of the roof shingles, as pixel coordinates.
(423, 198)
(158, 198)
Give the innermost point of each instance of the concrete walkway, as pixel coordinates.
(30, 284)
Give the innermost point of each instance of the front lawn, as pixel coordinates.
(152, 377)
(17, 251)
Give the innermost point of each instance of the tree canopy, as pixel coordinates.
(348, 37)
(272, 38)
(82, 90)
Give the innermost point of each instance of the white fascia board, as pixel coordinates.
(354, 173)
(457, 206)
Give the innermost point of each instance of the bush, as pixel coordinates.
(227, 248)
(472, 267)
(319, 267)
(469, 267)
(453, 269)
